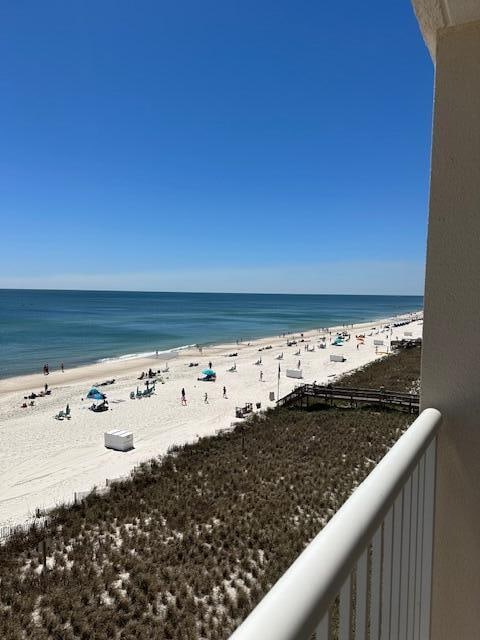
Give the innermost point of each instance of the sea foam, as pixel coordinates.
(165, 354)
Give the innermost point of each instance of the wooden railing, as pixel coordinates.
(302, 395)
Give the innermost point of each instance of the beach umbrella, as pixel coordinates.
(208, 372)
(95, 394)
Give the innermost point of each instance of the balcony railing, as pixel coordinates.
(367, 574)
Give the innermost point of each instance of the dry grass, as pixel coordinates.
(396, 373)
(186, 548)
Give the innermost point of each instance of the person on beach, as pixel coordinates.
(298, 364)
(62, 368)
(224, 392)
(184, 398)
(261, 376)
(46, 387)
(209, 365)
(205, 399)
(46, 370)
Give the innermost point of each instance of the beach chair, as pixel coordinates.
(99, 408)
(132, 395)
(60, 415)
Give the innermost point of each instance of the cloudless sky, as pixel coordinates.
(265, 145)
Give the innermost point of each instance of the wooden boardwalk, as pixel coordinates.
(309, 394)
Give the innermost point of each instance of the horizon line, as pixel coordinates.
(246, 293)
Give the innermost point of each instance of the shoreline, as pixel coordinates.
(45, 461)
(16, 382)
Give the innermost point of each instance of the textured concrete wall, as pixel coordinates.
(451, 354)
(433, 15)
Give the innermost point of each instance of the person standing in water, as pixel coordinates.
(62, 368)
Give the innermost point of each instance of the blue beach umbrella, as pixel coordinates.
(95, 394)
(208, 372)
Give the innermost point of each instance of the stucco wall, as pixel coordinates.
(433, 15)
(451, 354)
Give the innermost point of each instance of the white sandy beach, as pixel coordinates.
(44, 461)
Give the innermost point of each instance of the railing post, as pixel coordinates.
(427, 551)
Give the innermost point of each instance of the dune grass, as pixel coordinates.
(396, 372)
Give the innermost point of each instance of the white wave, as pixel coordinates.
(149, 354)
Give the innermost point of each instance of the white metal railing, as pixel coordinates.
(367, 574)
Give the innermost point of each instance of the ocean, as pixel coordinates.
(81, 327)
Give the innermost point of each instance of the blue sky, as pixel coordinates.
(243, 146)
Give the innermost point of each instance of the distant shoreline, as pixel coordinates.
(123, 365)
(172, 351)
(80, 328)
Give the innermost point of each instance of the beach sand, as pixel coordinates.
(45, 461)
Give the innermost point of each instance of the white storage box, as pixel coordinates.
(407, 333)
(336, 358)
(119, 440)
(378, 343)
(294, 373)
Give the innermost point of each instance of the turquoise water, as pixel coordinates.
(80, 327)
